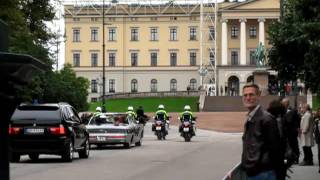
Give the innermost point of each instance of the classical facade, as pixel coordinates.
(162, 47)
(242, 26)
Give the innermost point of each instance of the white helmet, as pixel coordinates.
(187, 108)
(161, 106)
(98, 109)
(130, 108)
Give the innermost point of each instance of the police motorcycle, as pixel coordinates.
(188, 127)
(160, 126)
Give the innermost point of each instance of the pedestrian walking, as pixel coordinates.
(261, 140)
(292, 119)
(317, 133)
(278, 111)
(306, 135)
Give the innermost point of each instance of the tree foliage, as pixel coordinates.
(296, 43)
(28, 34)
(64, 86)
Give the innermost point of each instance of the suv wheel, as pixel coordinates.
(67, 155)
(84, 153)
(14, 157)
(127, 145)
(34, 157)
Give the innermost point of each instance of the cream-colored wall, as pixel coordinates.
(123, 44)
(252, 42)
(123, 73)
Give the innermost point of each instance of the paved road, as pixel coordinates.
(208, 157)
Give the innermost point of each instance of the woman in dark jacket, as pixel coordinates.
(277, 110)
(317, 133)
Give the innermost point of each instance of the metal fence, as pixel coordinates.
(153, 94)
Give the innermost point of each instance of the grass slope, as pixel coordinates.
(316, 102)
(172, 104)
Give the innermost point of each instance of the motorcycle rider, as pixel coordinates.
(98, 111)
(187, 114)
(142, 118)
(130, 112)
(163, 115)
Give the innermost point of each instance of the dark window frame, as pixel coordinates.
(76, 59)
(154, 85)
(134, 59)
(234, 58)
(94, 59)
(173, 34)
(193, 34)
(76, 35)
(253, 32)
(193, 58)
(234, 32)
(154, 58)
(112, 84)
(154, 34)
(134, 85)
(173, 85)
(94, 35)
(193, 84)
(112, 59)
(173, 59)
(134, 34)
(112, 34)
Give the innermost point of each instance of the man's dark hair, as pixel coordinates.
(308, 108)
(251, 85)
(276, 108)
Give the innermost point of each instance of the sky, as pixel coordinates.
(57, 25)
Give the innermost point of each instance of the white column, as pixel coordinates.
(261, 30)
(243, 44)
(224, 43)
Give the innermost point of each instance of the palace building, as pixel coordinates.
(168, 47)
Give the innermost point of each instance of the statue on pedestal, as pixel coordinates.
(260, 56)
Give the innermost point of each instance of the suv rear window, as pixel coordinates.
(37, 113)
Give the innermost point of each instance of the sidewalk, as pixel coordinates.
(307, 172)
(216, 121)
(230, 122)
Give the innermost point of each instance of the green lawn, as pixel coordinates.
(316, 102)
(172, 104)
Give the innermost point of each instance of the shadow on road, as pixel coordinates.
(45, 160)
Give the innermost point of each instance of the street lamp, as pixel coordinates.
(103, 56)
(202, 72)
(103, 63)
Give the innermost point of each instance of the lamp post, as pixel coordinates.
(103, 63)
(103, 56)
(202, 72)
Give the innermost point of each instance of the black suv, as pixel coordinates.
(47, 129)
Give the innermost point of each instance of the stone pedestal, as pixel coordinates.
(261, 78)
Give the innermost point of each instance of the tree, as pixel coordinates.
(28, 33)
(296, 43)
(64, 86)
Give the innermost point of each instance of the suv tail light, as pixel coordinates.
(14, 130)
(58, 130)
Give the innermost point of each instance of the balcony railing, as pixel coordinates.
(152, 94)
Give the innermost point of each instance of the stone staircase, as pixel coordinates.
(234, 103)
